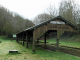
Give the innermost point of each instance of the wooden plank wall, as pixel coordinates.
(44, 28)
(60, 27)
(39, 32)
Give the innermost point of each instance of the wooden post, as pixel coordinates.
(37, 40)
(45, 39)
(58, 35)
(16, 38)
(33, 46)
(19, 37)
(33, 41)
(57, 44)
(29, 39)
(27, 42)
(23, 39)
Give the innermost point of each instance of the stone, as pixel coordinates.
(0, 41)
(13, 51)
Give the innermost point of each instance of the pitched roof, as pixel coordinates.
(58, 17)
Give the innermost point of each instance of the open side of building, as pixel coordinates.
(58, 24)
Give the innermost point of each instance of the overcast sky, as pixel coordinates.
(28, 8)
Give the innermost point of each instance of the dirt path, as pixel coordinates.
(65, 49)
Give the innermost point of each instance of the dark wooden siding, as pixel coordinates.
(38, 32)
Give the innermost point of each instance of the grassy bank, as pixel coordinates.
(73, 41)
(65, 43)
(26, 53)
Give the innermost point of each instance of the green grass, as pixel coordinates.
(26, 53)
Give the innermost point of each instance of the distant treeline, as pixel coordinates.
(11, 23)
(68, 9)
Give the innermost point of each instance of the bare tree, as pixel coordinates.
(41, 18)
(52, 11)
(68, 9)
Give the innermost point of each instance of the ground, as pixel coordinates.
(27, 54)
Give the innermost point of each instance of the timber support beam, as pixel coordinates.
(27, 42)
(23, 38)
(57, 44)
(45, 39)
(33, 45)
(37, 40)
